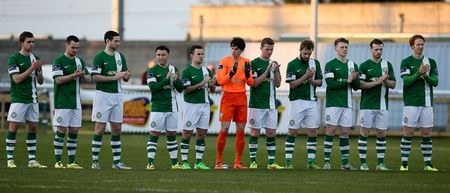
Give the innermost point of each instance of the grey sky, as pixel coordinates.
(144, 19)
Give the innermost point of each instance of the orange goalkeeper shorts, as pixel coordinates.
(233, 107)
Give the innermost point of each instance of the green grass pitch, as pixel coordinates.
(22, 179)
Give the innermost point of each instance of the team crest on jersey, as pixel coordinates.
(405, 119)
(328, 118)
(153, 124)
(252, 121)
(59, 119)
(362, 119)
(188, 123)
(352, 69)
(292, 122)
(14, 115)
(119, 62)
(98, 115)
(385, 70)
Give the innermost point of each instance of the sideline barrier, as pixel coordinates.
(137, 108)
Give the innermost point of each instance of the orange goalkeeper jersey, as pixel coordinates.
(238, 81)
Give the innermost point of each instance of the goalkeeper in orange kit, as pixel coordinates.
(233, 73)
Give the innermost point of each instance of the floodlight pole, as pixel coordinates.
(117, 15)
(313, 26)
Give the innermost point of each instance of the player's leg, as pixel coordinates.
(202, 129)
(32, 120)
(16, 115)
(240, 117)
(311, 148)
(311, 123)
(296, 116)
(381, 149)
(99, 130)
(11, 143)
(61, 121)
(58, 143)
(191, 116)
(426, 125)
(345, 123)
(152, 145)
(115, 120)
(362, 147)
(172, 143)
(184, 147)
(270, 123)
(116, 146)
(226, 115)
(332, 115)
(255, 118)
(427, 148)
(72, 143)
(200, 148)
(410, 122)
(381, 124)
(365, 120)
(101, 111)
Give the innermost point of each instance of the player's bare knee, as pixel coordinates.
(364, 132)
(271, 132)
(425, 132)
(408, 131)
(254, 132)
(201, 133)
(73, 130)
(311, 132)
(381, 133)
(171, 133)
(292, 132)
(32, 127)
(13, 127)
(187, 134)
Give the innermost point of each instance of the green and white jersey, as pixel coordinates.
(163, 90)
(375, 97)
(295, 70)
(418, 91)
(24, 92)
(339, 92)
(67, 95)
(107, 65)
(192, 76)
(263, 96)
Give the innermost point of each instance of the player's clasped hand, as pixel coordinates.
(247, 69)
(234, 69)
(36, 65)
